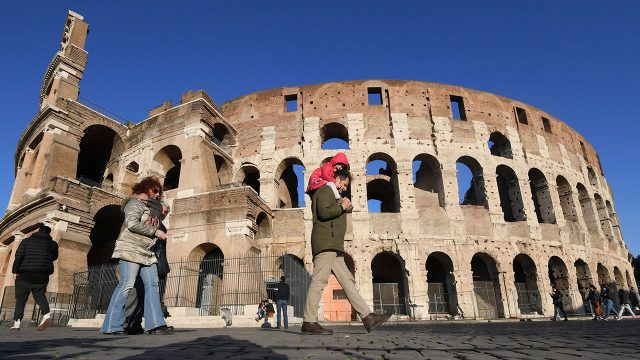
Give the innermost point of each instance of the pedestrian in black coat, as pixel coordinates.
(32, 265)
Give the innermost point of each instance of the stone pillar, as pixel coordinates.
(198, 172)
(9, 277)
(466, 294)
(509, 294)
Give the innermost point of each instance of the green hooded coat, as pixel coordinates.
(329, 222)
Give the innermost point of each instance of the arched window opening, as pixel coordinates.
(335, 136)
(290, 175)
(584, 280)
(541, 197)
(223, 172)
(603, 275)
(209, 295)
(106, 229)
(566, 199)
(427, 181)
(471, 188)
(526, 283)
(593, 179)
(264, 226)
(168, 162)
(486, 286)
(630, 283)
(617, 284)
(499, 145)
(382, 184)
(619, 277)
(221, 135)
(95, 152)
(441, 284)
(250, 176)
(133, 167)
(510, 195)
(587, 208)
(108, 180)
(615, 222)
(389, 284)
(603, 215)
(298, 278)
(559, 277)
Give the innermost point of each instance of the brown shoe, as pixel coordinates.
(372, 320)
(313, 328)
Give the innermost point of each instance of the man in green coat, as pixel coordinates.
(327, 247)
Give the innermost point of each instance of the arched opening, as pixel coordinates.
(168, 162)
(441, 284)
(96, 147)
(221, 136)
(603, 215)
(541, 197)
(615, 222)
(210, 281)
(559, 277)
(526, 283)
(382, 184)
(334, 136)
(298, 278)
(630, 283)
(249, 175)
(389, 284)
(617, 285)
(106, 229)
(471, 188)
(133, 167)
(486, 286)
(587, 208)
(499, 145)
(264, 226)
(593, 179)
(223, 172)
(583, 276)
(603, 275)
(566, 199)
(510, 195)
(427, 181)
(290, 182)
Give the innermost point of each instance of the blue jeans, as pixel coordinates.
(281, 307)
(153, 317)
(608, 307)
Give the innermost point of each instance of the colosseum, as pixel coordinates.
(467, 204)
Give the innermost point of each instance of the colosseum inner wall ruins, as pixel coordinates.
(535, 211)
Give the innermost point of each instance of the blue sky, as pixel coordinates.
(578, 60)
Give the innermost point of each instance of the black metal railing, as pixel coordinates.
(58, 308)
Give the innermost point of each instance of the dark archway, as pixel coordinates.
(584, 280)
(565, 194)
(168, 163)
(210, 282)
(441, 284)
(106, 229)
(541, 197)
(471, 188)
(510, 195)
(499, 145)
(428, 187)
(250, 176)
(603, 215)
(290, 179)
(486, 286)
(382, 184)
(587, 208)
(263, 224)
(96, 149)
(390, 292)
(223, 171)
(334, 136)
(526, 283)
(559, 277)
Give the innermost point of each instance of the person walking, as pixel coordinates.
(558, 306)
(605, 295)
(282, 300)
(635, 299)
(135, 257)
(624, 304)
(32, 265)
(596, 304)
(327, 247)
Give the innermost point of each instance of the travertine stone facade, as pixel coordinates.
(538, 209)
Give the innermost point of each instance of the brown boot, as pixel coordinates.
(313, 328)
(372, 320)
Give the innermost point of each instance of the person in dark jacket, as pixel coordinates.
(624, 303)
(605, 295)
(282, 300)
(327, 247)
(32, 265)
(596, 303)
(558, 306)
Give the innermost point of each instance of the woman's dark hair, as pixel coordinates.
(146, 184)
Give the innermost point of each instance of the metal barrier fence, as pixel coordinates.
(58, 304)
(209, 284)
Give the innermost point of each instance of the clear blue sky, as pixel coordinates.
(578, 60)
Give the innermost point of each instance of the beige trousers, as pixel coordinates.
(323, 264)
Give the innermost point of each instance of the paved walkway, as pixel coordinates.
(420, 340)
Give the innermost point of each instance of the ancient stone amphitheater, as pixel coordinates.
(424, 239)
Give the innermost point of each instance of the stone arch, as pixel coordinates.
(428, 186)
(499, 145)
(476, 193)
(615, 222)
(593, 179)
(263, 224)
(526, 284)
(210, 280)
(587, 208)
(603, 215)
(541, 197)
(382, 184)
(390, 292)
(486, 285)
(630, 283)
(104, 233)
(617, 274)
(221, 135)
(249, 175)
(441, 284)
(223, 170)
(168, 162)
(134, 167)
(334, 136)
(559, 277)
(603, 275)
(510, 195)
(584, 280)
(99, 144)
(298, 278)
(290, 182)
(565, 195)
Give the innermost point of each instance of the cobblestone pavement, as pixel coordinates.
(420, 340)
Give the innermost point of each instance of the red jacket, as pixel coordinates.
(324, 173)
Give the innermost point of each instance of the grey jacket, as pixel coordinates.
(136, 236)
